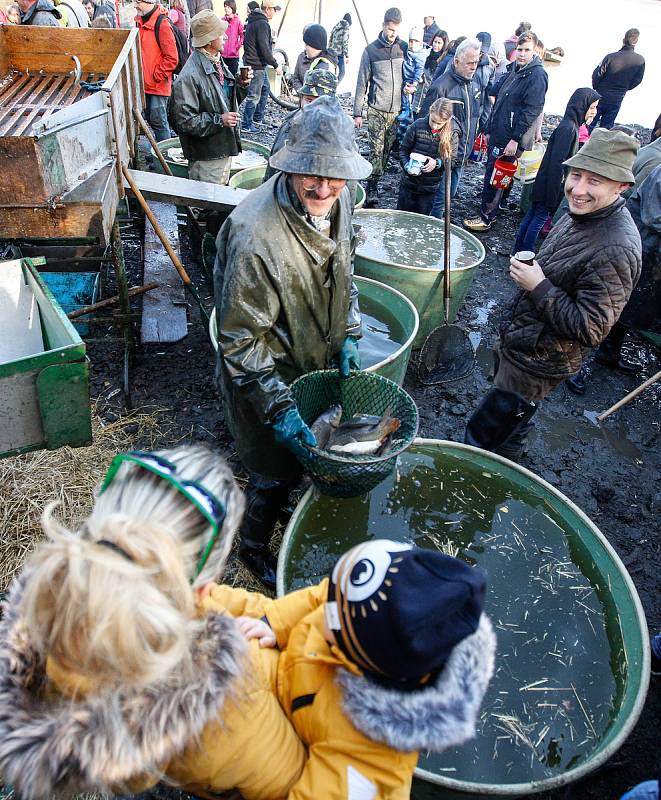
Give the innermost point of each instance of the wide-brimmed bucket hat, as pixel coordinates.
(321, 142)
(205, 27)
(607, 153)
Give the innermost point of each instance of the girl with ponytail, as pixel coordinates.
(116, 671)
(425, 147)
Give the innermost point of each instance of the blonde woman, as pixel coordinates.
(427, 143)
(117, 671)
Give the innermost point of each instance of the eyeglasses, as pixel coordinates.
(204, 501)
(312, 182)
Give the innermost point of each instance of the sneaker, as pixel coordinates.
(249, 129)
(476, 224)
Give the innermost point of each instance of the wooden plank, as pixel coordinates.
(30, 47)
(184, 192)
(164, 308)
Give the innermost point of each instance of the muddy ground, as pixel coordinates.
(612, 472)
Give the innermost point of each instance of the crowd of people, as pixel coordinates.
(312, 695)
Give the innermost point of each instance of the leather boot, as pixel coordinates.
(264, 499)
(609, 352)
(501, 419)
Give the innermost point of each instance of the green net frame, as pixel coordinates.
(360, 393)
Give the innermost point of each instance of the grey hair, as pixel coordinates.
(467, 44)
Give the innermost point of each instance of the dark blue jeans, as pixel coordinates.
(531, 225)
(157, 115)
(341, 69)
(606, 115)
(492, 197)
(438, 206)
(256, 99)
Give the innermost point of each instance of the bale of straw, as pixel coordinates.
(68, 475)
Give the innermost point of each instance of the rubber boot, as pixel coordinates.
(609, 352)
(372, 192)
(501, 419)
(264, 499)
(577, 383)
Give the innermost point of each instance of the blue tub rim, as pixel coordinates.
(432, 270)
(593, 763)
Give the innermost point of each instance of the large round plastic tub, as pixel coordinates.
(252, 177)
(405, 251)
(181, 170)
(390, 324)
(418, 502)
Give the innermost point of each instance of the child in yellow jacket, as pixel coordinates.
(389, 656)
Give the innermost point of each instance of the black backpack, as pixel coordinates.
(180, 40)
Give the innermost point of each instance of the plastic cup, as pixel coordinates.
(525, 256)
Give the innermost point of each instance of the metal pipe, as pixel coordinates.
(360, 19)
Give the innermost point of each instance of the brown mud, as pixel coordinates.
(612, 472)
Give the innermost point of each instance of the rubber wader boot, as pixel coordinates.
(264, 499)
(372, 193)
(609, 352)
(501, 423)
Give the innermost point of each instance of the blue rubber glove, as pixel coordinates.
(348, 358)
(291, 432)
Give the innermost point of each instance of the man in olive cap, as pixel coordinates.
(206, 103)
(569, 297)
(286, 305)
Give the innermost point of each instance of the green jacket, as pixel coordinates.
(199, 100)
(285, 301)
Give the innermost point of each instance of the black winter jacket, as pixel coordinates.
(419, 139)
(467, 112)
(618, 73)
(520, 95)
(257, 47)
(561, 146)
(591, 263)
(304, 63)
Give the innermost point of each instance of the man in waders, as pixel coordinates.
(286, 305)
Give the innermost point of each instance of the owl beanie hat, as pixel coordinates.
(397, 611)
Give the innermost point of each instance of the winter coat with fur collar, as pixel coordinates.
(59, 734)
(363, 739)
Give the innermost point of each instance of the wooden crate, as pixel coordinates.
(44, 395)
(55, 136)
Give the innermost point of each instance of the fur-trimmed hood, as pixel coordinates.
(435, 718)
(104, 740)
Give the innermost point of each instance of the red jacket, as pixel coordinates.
(158, 63)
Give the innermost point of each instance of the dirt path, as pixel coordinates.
(613, 473)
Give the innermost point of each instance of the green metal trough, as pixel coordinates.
(390, 308)
(321, 528)
(44, 395)
(181, 170)
(411, 259)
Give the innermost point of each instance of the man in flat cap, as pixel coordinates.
(286, 305)
(570, 297)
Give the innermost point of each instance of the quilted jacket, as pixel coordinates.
(592, 263)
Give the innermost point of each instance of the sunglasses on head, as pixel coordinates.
(204, 501)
